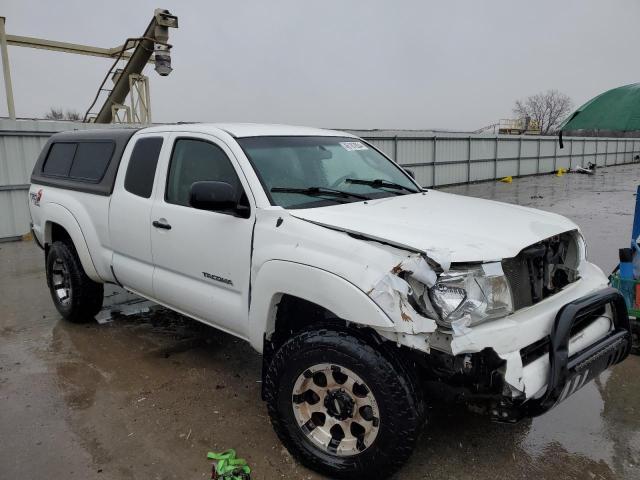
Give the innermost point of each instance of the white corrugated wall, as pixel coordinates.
(20, 144)
(439, 159)
(435, 158)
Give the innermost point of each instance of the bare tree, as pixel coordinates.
(548, 109)
(58, 114)
(54, 114)
(73, 115)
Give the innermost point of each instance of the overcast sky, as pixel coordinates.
(353, 64)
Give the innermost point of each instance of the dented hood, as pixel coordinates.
(471, 229)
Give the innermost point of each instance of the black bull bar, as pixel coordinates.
(567, 374)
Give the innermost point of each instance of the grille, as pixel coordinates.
(517, 273)
(539, 271)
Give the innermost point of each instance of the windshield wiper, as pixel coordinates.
(317, 191)
(380, 183)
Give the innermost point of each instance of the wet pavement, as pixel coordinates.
(146, 396)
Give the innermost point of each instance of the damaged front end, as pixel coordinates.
(476, 380)
(545, 268)
(422, 295)
(424, 298)
(570, 357)
(508, 361)
(403, 295)
(426, 286)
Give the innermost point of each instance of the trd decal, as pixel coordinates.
(36, 197)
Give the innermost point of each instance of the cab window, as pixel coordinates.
(196, 160)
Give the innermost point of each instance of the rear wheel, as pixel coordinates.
(341, 406)
(75, 295)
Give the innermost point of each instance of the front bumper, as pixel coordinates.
(524, 364)
(511, 337)
(570, 372)
(571, 364)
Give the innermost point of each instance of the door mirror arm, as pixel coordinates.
(242, 211)
(218, 197)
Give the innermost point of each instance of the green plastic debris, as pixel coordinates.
(228, 467)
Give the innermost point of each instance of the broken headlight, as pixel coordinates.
(472, 295)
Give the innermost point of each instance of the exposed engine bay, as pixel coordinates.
(543, 269)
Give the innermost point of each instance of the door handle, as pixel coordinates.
(159, 224)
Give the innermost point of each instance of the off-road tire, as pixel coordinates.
(85, 295)
(401, 404)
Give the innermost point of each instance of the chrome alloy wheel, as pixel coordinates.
(335, 409)
(61, 281)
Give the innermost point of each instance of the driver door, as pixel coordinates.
(202, 258)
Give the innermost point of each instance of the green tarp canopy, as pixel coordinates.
(614, 113)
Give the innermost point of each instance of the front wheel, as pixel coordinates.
(341, 406)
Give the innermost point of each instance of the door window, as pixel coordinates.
(142, 166)
(195, 161)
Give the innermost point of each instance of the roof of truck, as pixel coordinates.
(241, 130)
(119, 138)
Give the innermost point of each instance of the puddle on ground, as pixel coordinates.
(163, 367)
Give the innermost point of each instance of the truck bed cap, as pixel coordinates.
(119, 137)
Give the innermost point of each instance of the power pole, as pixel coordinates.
(6, 70)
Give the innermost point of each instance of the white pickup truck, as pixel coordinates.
(357, 285)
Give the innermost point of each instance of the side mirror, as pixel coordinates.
(410, 173)
(214, 196)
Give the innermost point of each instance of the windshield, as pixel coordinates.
(305, 172)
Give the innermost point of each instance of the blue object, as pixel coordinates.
(626, 273)
(636, 221)
(626, 270)
(626, 263)
(627, 277)
(635, 233)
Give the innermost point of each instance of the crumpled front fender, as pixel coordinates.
(276, 278)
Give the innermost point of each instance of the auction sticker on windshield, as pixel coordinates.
(351, 146)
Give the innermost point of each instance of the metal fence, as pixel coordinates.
(446, 159)
(436, 159)
(20, 144)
